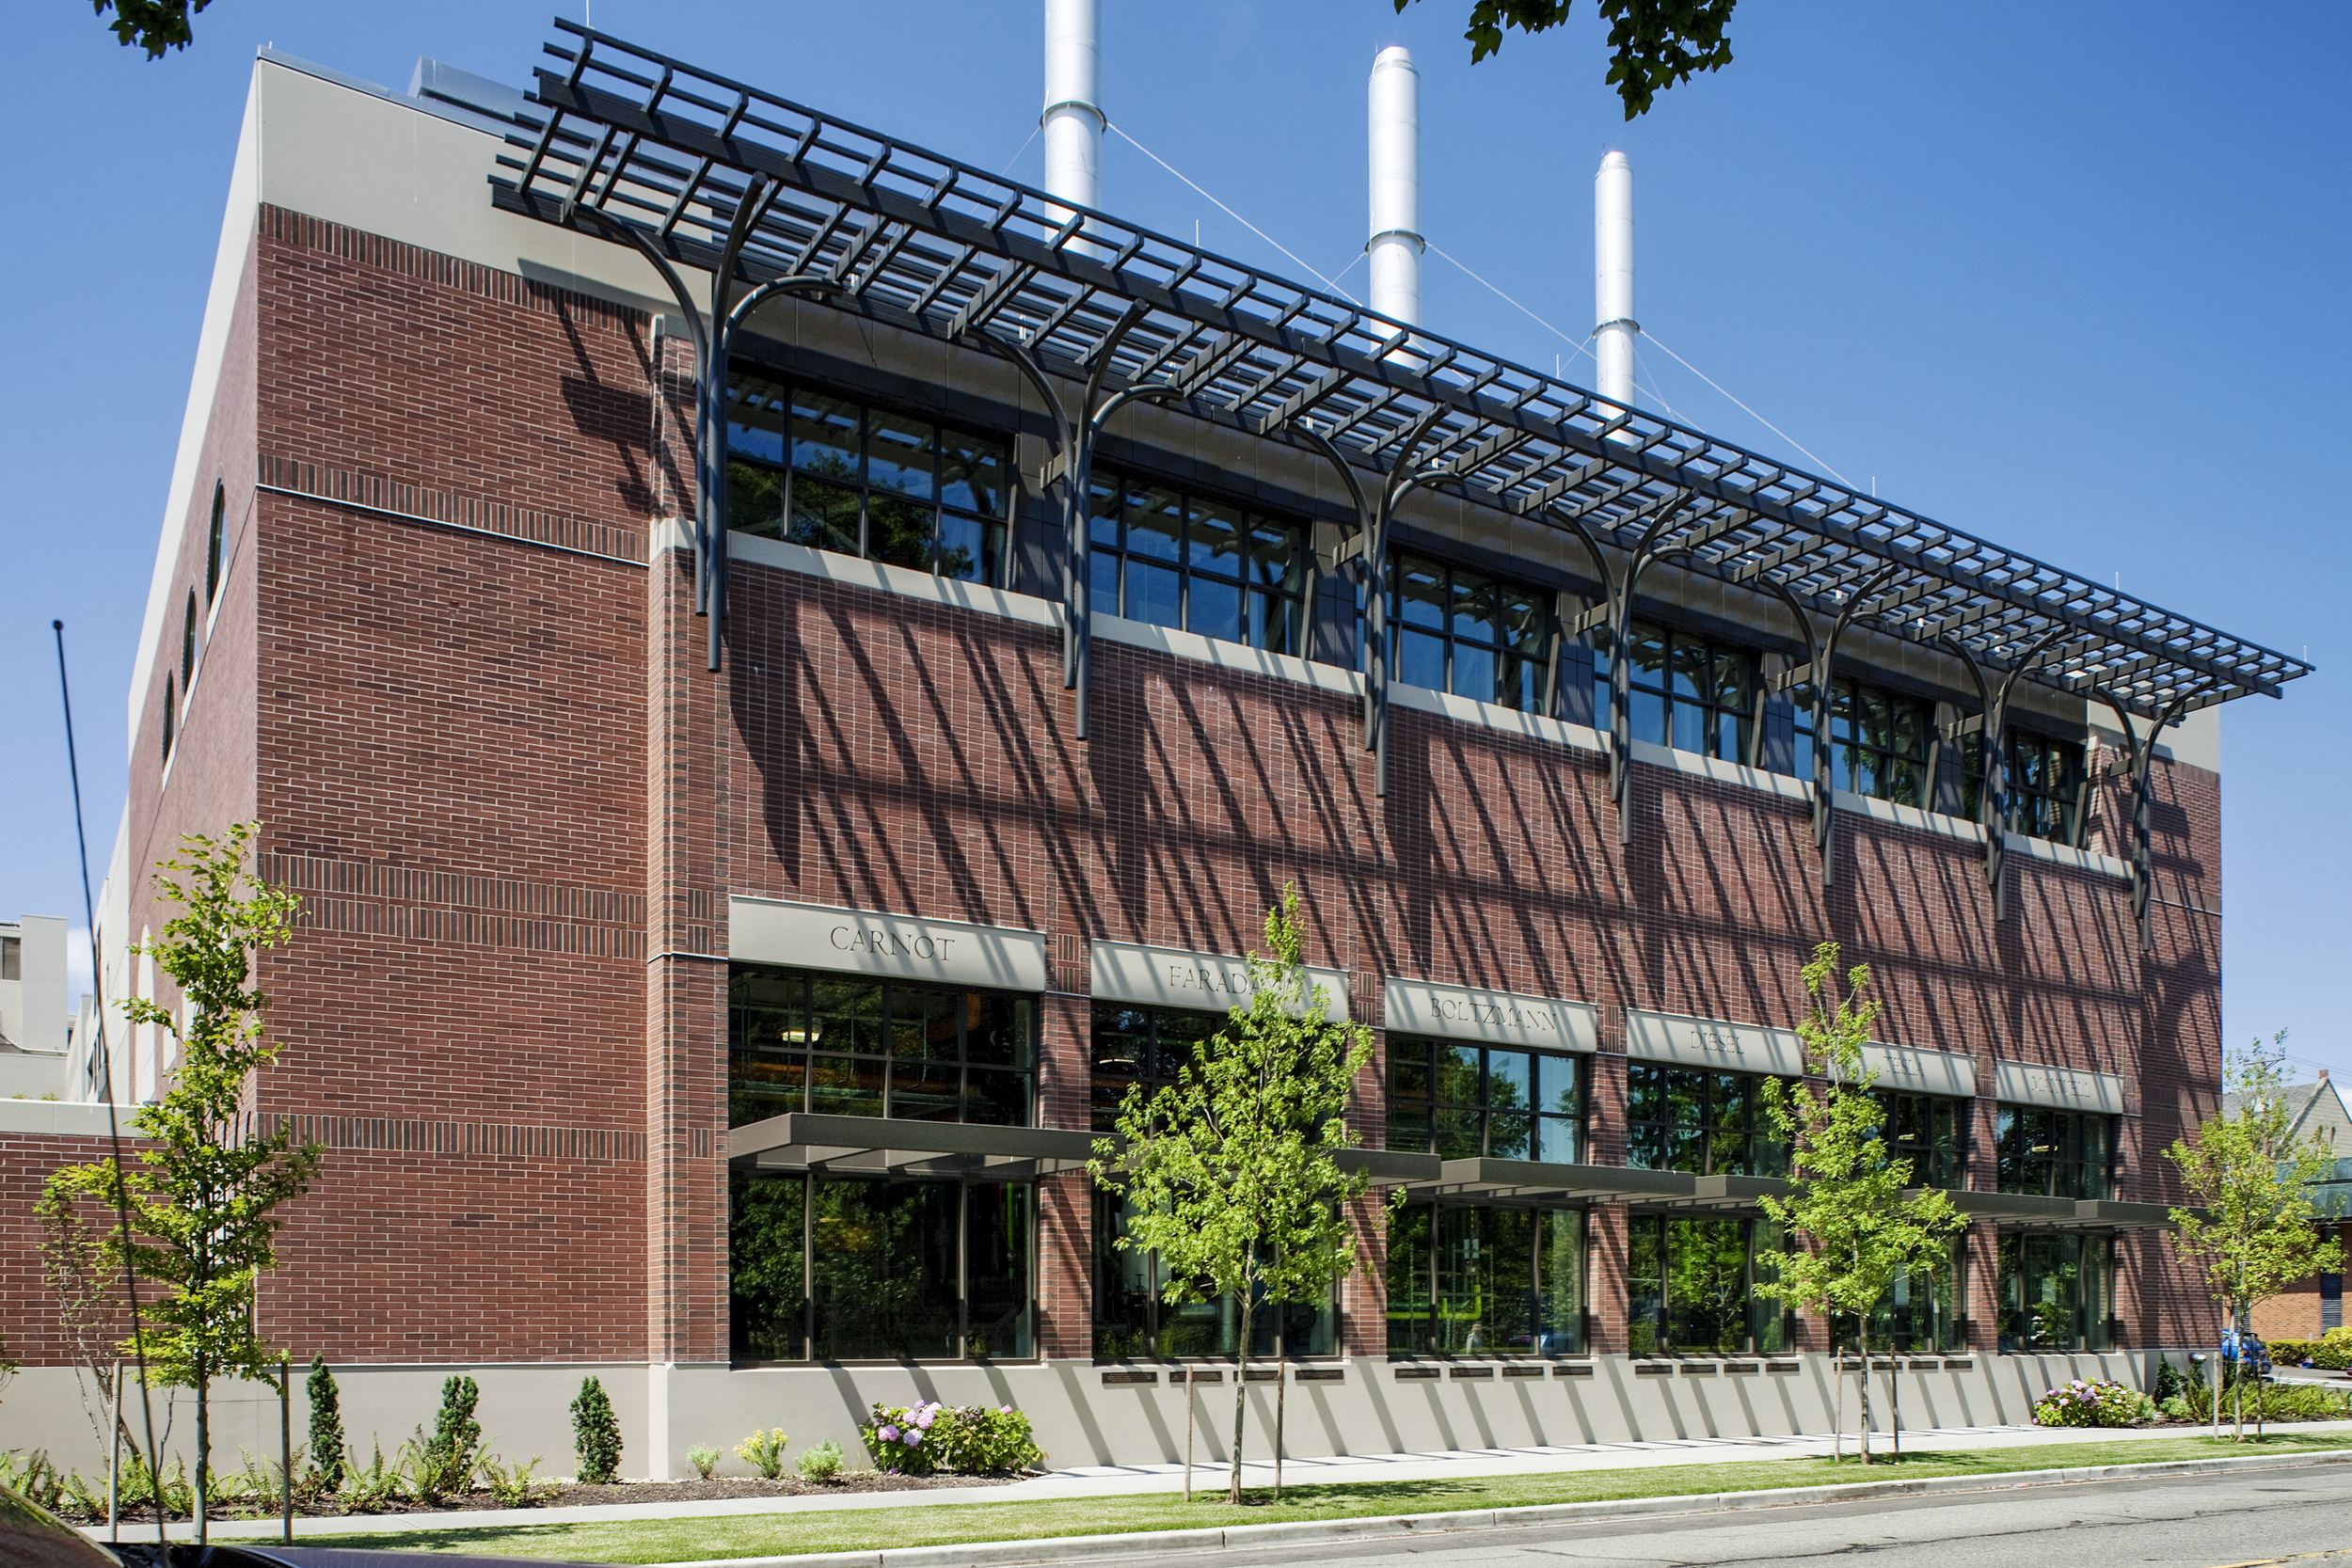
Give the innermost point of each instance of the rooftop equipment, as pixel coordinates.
(1395, 245)
(1614, 326)
(1072, 121)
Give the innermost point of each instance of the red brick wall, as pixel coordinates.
(473, 715)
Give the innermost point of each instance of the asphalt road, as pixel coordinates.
(2296, 1518)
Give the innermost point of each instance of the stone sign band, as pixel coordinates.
(1175, 977)
(1494, 1017)
(860, 941)
(2062, 1088)
(1755, 1047)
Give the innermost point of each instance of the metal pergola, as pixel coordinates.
(769, 198)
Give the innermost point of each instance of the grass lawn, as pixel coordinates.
(783, 1534)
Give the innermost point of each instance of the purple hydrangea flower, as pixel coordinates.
(912, 1439)
(888, 1434)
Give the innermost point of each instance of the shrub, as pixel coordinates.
(516, 1485)
(924, 1438)
(2092, 1404)
(377, 1485)
(820, 1463)
(765, 1450)
(596, 1434)
(445, 1463)
(329, 1459)
(704, 1458)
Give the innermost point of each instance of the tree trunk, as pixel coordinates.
(203, 1453)
(1188, 1397)
(2237, 1374)
(1837, 1380)
(1862, 1381)
(1281, 1389)
(1241, 1378)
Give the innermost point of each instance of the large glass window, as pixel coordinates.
(1879, 742)
(1132, 1321)
(1685, 690)
(1929, 1131)
(1461, 631)
(1920, 1312)
(1461, 1102)
(846, 1045)
(1142, 1045)
(2046, 782)
(1178, 559)
(832, 1269)
(2055, 1153)
(1690, 1287)
(839, 475)
(1482, 1281)
(1695, 1119)
(2056, 1291)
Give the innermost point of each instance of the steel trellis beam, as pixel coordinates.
(689, 142)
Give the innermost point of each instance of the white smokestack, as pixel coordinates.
(1614, 326)
(1395, 245)
(1074, 113)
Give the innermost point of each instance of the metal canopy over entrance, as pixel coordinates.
(770, 197)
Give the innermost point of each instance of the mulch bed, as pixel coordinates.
(717, 1489)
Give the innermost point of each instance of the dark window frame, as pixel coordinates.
(171, 716)
(1267, 585)
(1882, 742)
(1293, 1331)
(1650, 1318)
(1518, 668)
(2090, 1303)
(1433, 1105)
(745, 1055)
(1413, 1334)
(2044, 1150)
(1650, 1140)
(1934, 1163)
(740, 1186)
(2046, 784)
(1655, 690)
(764, 507)
(187, 644)
(213, 547)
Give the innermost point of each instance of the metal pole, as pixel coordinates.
(114, 1447)
(285, 1440)
(114, 1127)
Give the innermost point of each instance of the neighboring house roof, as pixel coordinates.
(2317, 1108)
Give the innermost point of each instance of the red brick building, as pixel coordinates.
(734, 1031)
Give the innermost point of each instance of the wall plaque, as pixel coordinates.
(2064, 1088)
(949, 952)
(1494, 1017)
(1179, 977)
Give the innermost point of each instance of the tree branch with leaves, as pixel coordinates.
(203, 1194)
(1654, 44)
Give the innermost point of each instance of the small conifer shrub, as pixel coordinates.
(596, 1434)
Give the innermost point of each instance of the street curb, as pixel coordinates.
(1066, 1548)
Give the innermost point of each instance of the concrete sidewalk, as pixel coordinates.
(1111, 1480)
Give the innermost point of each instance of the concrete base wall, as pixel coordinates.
(524, 1410)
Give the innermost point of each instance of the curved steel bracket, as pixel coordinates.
(2142, 751)
(1995, 796)
(1372, 515)
(726, 319)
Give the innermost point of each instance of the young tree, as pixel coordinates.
(1232, 1172)
(1846, 1200)
(2253, 1232)
(204, 1192)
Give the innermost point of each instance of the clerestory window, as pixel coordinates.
(835, 474)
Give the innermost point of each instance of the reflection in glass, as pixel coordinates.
(1486, 1281)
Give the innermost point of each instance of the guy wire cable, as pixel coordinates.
(114, 1127)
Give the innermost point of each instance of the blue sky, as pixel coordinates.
(2069, 276)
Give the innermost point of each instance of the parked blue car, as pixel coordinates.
(2257, 1354)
